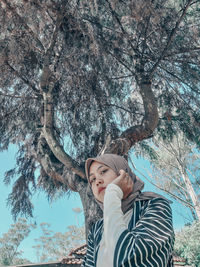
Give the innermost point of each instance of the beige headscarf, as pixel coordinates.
(117, 163)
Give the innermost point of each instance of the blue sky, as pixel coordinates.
(59, 213)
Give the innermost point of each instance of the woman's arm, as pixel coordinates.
(149, 243)
(89, 258)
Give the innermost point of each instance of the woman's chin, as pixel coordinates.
(101, 196)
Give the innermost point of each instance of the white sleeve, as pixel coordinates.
(114, 223)
(150, 242)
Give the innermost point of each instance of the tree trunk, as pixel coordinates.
(191, 193)
(91, 209)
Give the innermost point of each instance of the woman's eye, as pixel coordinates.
(92, 180)
(103, 171)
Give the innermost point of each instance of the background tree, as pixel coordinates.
(80, 78)
(176, 171)
(187, 243)
(54, 246)
(10, 242)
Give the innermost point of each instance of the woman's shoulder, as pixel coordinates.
(154, 201)
(153, 204)
(159, 201)
(158, 206)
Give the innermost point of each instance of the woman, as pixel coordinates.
(136, 229)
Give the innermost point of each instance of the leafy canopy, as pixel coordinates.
(78, 77)
(187, 243)
(10, 242)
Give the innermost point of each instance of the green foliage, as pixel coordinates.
(10, 242)
(187, 243)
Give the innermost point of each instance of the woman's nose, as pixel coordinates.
(99, 181)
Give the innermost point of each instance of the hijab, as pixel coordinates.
(117, 163)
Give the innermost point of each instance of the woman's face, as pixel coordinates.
(100, 176)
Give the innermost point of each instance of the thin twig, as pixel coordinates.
(17, 74)
(170, 39)
(175, 76)
(12, 111)
(17, 96)
(121, 77)
(121, 62)
(100, 25)
(121, 26)
(127, 110)
(174, 196)
(24, 23)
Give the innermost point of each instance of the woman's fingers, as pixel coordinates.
(122, 173)
(125, 182)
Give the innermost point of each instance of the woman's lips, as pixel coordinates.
(101, 189)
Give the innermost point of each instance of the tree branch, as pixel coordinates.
(138, 132)
(100, 25)
(47, 83)
(47, 75)
(12, 111)
(17, 96)
(174, 196)
(43, 155)
(119, 77)
(144, 42)
(194, 176)
(170, 39)
(182, 51)
(121, 62)
(24, 23)
(178, 78)
(17, 74)
(56, 169)
(114, 14)
(56, 148)
(125, 109)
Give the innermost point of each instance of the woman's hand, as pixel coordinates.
(125, 182)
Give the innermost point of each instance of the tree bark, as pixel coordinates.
(54, 145)
(191, 192)
(138, 132)
(91, 209)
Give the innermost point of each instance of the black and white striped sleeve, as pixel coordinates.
(89, 257)
(150, 242)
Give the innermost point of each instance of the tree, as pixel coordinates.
(54, 246)
(176, 171)
(80, 78)
(187, 243)
(10, 242)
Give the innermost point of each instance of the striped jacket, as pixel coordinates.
(147, 242)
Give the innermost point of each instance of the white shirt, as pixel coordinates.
(115, 222)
